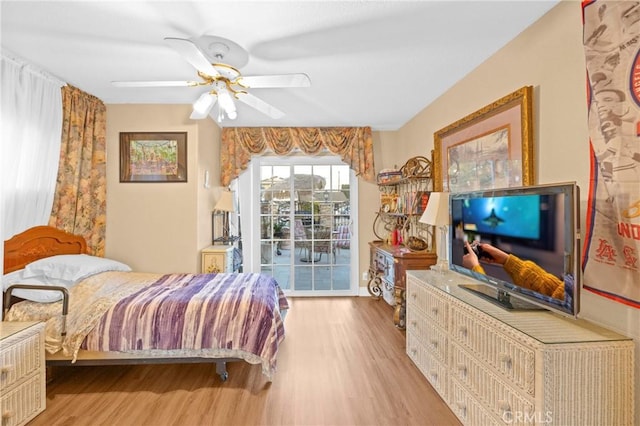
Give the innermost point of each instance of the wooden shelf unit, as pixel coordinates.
(403, 242)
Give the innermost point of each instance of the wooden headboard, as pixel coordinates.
(37, 243)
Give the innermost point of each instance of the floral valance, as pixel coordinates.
(354, 145)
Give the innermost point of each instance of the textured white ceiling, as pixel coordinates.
(371, 63)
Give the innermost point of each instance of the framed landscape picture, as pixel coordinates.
(153, 157)
(490, 148)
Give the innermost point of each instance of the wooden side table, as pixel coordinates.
(217, 258)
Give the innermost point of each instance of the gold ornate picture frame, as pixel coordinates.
(490, 148)
(153, 157)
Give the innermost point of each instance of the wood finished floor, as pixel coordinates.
(342, 363)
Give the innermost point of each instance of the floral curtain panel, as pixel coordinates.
(80, 203)
(353, 144)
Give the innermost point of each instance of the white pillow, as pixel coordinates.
(41, 296)
(72, 267)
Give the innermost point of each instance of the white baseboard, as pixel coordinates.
(363, 292)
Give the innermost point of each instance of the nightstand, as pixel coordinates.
(22, 371)
(217, 258)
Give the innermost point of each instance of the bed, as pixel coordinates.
(99, 312)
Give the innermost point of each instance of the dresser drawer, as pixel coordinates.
(498, 397)
(22, 403)
(416, 321)
(20, 357)
(430, 302)
(384, 265)
(22, 372)
(214, 263)
(468, 410)
(434, 339)
(435, 371)
(513, 360)
(416, 295)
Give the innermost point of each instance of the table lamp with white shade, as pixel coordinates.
(437, 214)
(224, 206)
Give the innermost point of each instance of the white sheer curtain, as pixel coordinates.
(31, 127)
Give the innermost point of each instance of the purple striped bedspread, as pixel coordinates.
(239, 313)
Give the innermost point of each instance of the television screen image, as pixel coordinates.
(517, 216)
(538, 226)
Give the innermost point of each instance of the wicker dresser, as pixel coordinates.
(493, 366)
(22, 372)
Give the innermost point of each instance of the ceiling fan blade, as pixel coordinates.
(260, 105)
(282, 80)
(192, 54)
(166, 83)
(202, 106)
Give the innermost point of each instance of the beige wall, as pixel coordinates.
(550, 57)
(161, 227)
(368, 204)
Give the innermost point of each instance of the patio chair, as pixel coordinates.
(323, 244)
(342, 235)
(302, 241)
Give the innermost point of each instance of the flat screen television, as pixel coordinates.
(537, 224)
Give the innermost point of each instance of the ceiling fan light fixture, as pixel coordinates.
(225, 100)
(225, 81)
(203, 105)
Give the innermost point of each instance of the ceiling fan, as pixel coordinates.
(223, 81)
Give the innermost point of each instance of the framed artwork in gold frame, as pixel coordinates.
(490, 148)
(153, 157)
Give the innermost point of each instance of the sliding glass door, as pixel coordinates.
(306, 228)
